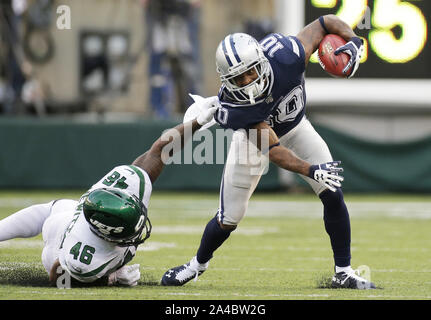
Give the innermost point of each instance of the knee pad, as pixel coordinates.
(228, 227)
(332, 199)
(225, 224)
(333, 203)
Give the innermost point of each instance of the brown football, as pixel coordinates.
(331, 63)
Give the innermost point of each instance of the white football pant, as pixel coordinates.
(53, 230)
(50, 219)
(241, 177)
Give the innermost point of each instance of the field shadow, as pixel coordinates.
(18, 274)
(149, 280)
(34, 275)
(324, 281)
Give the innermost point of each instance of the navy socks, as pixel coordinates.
(213, 237)
(337, 225)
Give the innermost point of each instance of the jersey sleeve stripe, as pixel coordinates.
(141, 181)
(295, 47)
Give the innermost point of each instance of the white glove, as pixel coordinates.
(126, 275)
(206, 116)
(202, 110)
(327, 174)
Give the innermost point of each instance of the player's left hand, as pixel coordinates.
(126, 275)
(354, 48)
(327, 174)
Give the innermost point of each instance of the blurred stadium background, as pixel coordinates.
(83, 92)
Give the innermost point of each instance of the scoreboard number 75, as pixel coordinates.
(381, 19)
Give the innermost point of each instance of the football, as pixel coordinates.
(331, 63)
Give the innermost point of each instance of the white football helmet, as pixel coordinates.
(237, 53)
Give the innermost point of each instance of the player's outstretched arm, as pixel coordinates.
(314, 32)
(326, 174)
(152, 161)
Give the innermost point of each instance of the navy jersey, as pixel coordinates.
(284, 106)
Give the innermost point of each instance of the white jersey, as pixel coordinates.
(127, 177)
(84, 255)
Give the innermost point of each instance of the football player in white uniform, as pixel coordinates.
(91, 240)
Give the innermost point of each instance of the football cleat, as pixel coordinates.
(350, 280)
(180, 275)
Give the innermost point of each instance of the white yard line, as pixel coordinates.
(154, 246)
(25, 244)
(281, 208)
(187, 229)
(22, 202)
(21, 244)
(299, 209)
(305, 209)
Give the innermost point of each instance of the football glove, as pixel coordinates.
(126, 275)
(327, 174)
(208, 108)
(354, 48)
(202, 110)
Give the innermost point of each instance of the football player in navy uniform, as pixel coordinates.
(263, 90)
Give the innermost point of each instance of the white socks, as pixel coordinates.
(195, 265)
(347, 269)
(25, 223)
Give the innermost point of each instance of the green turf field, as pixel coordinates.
(279, 252)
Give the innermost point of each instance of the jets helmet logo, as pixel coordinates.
(103, 228)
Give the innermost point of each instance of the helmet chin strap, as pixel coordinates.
(254, 91)
(250, 93)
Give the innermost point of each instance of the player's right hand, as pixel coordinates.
(354, 48)
(207, 109)
(327, 174)
(126, 275)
